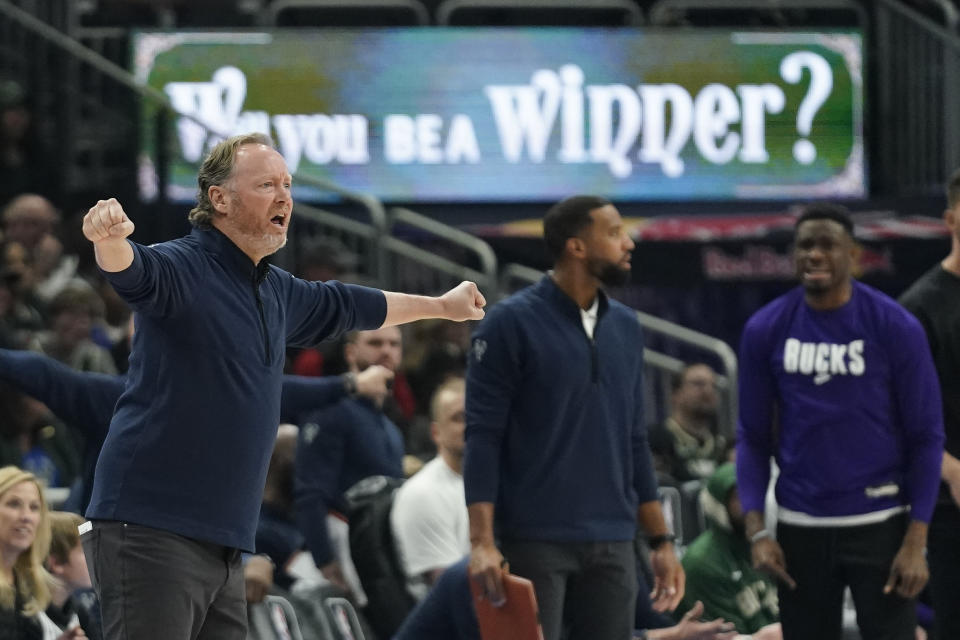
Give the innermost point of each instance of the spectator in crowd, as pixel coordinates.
(24, 541)
(35, 440)
(19, 320)
(719, 568)
(438, 351)
(327, 359)
(687, 446)
(323, 259)
(837, 382)
(72, 599)
(340, 445)
(213, 321)
(556, 447)
(429, 515)
(935, 300)
(447, 612)
(278, 536)
(30, 220)
(73, 313)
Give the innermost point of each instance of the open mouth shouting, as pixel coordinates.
(280, 220)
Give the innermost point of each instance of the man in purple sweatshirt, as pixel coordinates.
(839, 385)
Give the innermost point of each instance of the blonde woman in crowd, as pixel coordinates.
(24, 542)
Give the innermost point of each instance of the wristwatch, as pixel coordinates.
(655, 542)
(350, 383)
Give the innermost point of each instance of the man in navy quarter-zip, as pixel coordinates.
(557, 463)
(177, 488)
(837, 382)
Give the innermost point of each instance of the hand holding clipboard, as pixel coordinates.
(514, 619)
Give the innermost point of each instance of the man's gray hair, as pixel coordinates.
(216, 169)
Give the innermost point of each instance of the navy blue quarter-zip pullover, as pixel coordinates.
(555, 436)
(191, 436)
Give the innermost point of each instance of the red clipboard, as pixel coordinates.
(516, 620)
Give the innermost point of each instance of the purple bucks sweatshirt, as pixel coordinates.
(848, 402)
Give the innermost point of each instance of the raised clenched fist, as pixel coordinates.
(106, 220)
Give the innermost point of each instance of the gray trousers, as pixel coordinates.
(585, 590)
(157, 585)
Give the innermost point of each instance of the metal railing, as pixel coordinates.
(363, 235)
(82, 100)
(513, 276)
(663, 11)
(917, 101)
(726, 382)
(439, 259)
(413, 9)
(442, 256)
(447, 10)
